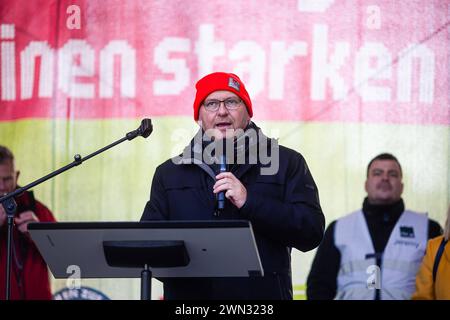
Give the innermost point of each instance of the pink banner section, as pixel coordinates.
(303, 60)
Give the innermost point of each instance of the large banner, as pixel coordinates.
(321, 60)
(339, 81)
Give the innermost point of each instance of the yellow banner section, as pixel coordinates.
(115, 185)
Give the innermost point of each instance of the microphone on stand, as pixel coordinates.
(10, 205)
(144, 130)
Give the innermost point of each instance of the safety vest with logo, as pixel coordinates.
(359, 276)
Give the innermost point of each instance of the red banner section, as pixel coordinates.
(304, 60)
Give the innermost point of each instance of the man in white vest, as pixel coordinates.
(373, 253)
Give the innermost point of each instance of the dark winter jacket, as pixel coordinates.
(283, 209)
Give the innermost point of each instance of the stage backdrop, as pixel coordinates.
(339, 81)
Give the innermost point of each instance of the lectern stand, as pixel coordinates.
(146, 254)
(161, 249)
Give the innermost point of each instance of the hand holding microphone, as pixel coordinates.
(221, 194)
(231, 188)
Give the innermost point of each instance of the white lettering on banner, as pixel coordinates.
(68, 71)
(427, 73)
(365, 71)
(177, 67)
(27, 67)
(280, 56)
(8, 63)
(127, 69)
(75, 59)
(206, 49)
(323, 69)
(373, 75)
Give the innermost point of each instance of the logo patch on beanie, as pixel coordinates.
(233, 83)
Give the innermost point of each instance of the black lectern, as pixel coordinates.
(160, 249)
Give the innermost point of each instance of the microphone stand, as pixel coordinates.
(10, 205)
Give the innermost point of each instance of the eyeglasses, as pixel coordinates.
(214, 105)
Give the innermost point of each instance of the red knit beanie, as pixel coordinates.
(220, 81)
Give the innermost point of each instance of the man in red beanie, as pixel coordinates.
(226, 87)
(29, 274)
(267, 184)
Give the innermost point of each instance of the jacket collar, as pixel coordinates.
(246, 148)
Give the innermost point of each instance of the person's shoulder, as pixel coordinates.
(43, 212)
(30, 199)
(331, 226)
(349, 215)
(434, 223)
(291, 156)
(434, 243)
(434, 228)
(174, 167)
(292, 160)
(169, 163)
(289, 151)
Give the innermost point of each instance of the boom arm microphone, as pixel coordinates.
(10, 205)
(144, 130)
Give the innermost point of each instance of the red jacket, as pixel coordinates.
(31, 282)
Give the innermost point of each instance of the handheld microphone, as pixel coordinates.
(221, 194)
